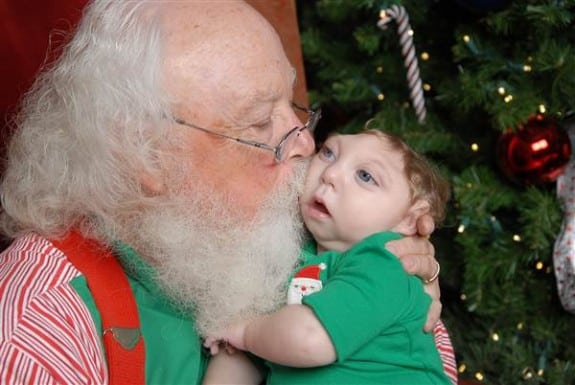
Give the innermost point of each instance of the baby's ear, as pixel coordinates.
(408, 225)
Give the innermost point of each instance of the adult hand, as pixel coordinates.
(417, 255)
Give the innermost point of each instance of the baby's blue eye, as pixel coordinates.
(326, 153)
(365, 176)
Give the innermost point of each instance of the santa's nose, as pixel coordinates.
(303, 288)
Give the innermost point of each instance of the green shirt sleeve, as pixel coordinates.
(367, 294)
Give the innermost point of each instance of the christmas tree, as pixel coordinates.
(498, 83)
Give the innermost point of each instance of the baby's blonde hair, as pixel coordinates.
(425, 181)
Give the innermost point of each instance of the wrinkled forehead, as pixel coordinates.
(197, 25)
(224, 48)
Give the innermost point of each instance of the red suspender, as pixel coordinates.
(124, 345)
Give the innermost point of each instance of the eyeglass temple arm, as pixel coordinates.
(244, 141)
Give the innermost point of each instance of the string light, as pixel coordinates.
(501, 91)
(495, 337)
(527, 373)
(424, 56)
(542, 108)
(479, 376)
(426, 87)
(469, 185)
(539, 265)
(380, 96)
(379, 69)
(508, 99)
(526, 68)
(462, 368)
(520, 326)
(517, 238)
(461, 229)
(463, 297)
(470, 44)
(474, 147)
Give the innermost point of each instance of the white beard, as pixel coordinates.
(214, 264)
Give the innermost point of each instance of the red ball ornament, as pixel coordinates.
(537, 152)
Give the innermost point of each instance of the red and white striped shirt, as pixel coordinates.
(446, 351)
(47, 335)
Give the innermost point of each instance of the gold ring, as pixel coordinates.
(435, 276)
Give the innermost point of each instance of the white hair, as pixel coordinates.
(92, 122)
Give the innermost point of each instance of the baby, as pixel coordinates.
(345, 322)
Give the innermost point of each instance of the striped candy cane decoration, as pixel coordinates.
(399, 13)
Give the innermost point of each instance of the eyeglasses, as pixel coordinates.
(286, 142)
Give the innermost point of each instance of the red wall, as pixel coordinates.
(26, 28)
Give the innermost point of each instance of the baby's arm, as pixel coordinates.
(291, 336)
(234, 368)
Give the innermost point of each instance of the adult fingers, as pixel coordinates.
(435, 308)
(425, 225)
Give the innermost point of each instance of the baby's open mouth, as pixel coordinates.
(319, 206)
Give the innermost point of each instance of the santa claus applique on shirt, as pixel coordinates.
(305, 282)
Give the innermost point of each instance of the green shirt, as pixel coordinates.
(174, 352)
(374, 313)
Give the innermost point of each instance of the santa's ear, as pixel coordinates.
(152, 183)
(408, 225)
